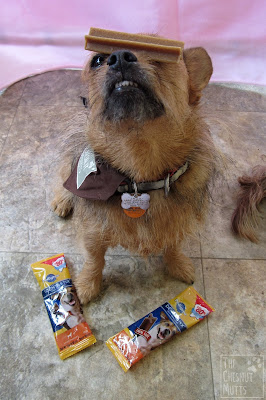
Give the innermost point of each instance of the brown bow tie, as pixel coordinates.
(100, 185)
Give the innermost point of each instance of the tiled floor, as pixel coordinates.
(35, 113)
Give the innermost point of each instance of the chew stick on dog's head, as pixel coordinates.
(159, 49)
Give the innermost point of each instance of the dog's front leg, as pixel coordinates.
(179, 266)
(88, 282)
(63, 201)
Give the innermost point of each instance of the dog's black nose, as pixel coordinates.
(120, 59)
(167, 332)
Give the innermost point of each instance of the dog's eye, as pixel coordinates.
(98, 60)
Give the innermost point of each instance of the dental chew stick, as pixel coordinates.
(157, 48)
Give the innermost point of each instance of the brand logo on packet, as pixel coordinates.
(50, 278)
(59, 264)
(180, 307)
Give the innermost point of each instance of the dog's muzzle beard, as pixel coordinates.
(127, 91)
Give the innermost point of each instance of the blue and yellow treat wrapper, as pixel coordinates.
(171, 318)
(71, 331)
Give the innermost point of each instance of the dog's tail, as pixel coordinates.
(245, 218)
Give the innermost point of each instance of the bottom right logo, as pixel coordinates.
(242, 377)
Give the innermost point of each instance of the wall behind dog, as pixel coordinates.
(37, 36)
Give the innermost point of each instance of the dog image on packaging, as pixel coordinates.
(162, 332)
(139, 175)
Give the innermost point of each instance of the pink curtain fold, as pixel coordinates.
(38, 36)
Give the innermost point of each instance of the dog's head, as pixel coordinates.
(139, 107)
(69, 299)
(128, 85)
(166, 328)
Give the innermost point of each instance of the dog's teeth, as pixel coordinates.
(125, 83)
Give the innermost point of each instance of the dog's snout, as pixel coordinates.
(69, 296)
(120, 59)
(167, 332)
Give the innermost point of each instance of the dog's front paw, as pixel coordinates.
(62, 206)
(182, 269)
(86, 290)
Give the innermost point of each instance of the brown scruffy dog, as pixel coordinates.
(144, 126)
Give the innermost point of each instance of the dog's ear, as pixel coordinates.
(199, 67)
(56, 296)
(163, 316)
(55, 308)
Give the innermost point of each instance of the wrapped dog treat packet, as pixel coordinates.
(71, 331)
(137, 340)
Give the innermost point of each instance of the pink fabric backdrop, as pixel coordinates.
(37, 36)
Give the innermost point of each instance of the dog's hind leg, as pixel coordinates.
(179, 266)
(88, 282)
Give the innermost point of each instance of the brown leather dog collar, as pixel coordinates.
(104, 183)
